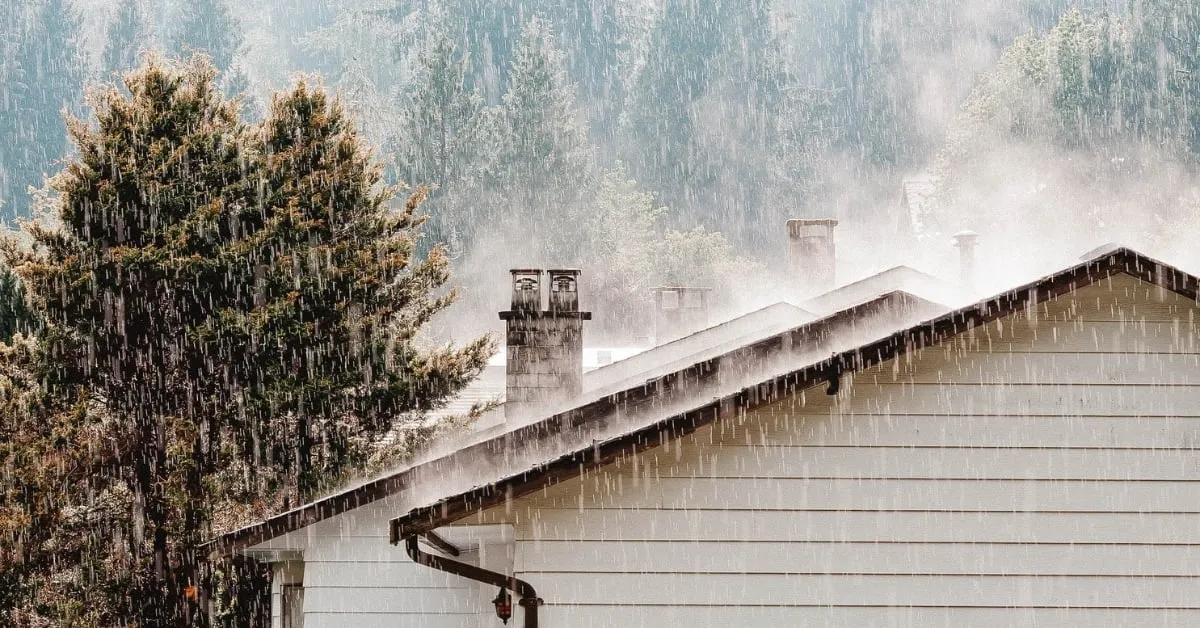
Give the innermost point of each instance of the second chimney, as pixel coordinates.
(544, 347)
(679, 312)
(966, 241)
(811, 254)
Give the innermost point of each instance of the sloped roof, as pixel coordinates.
(695, 347)
(608, 416)
(903, 278)
(704, 411)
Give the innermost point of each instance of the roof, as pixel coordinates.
(903, 278)
(703, 412)
(602, 418)
(695, 347)
(534, 456)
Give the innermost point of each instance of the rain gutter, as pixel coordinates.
(528, 600)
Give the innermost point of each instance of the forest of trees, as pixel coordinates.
(225, 302)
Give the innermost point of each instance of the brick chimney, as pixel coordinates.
(678, 312)
(811, 254)
(544, 347)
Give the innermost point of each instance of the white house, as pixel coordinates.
(1028, 459)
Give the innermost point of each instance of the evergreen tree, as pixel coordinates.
(704, 119)
(209, 27)
(15, 316)
(264, 279)
(47, 72)
(125, 36)
(591, 36)
(439, 139)
(543, 162)
(237, 85)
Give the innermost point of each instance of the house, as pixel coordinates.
(1027, 459)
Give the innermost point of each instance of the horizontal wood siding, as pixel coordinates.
(365, 581)
(1040, 470)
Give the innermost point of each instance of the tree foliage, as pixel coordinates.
(125, 36)
(44, 72)
(1098, 106)
(209, 27)
(230, 317)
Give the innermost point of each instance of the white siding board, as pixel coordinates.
(1017, 336)
(933, 367)
(355, 573)
(918, 495)
(733, 557)
(1016, 399)
(350, 601)
(354, 577)
(859, 590)
(386, 620)
(922, 527)
(366, 549)
(595, 616)
(926, 462)
(924, 430)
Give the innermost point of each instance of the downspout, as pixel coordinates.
(529, 599)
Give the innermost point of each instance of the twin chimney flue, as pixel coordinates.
(544, 346)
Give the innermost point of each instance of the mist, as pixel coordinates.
(666, 142)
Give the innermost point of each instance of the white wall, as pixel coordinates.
(1041, 470)
(352, 576)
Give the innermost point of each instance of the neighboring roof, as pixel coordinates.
(698, 346)
(593, 357)
(606, 416)
(706, 411)
(485, 389)
(903, 278)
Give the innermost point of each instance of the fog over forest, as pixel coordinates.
(665, 142)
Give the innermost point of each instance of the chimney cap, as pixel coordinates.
(680, 288)
(808, 222)
(966, 235)
(811, 227)
(564, 271)
(525, 271)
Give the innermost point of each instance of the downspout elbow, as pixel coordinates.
(529, 599)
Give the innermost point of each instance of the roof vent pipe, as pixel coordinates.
(966, 242)
(811, 254)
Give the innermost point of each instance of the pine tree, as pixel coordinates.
(592, 39)
(440, 134)
(48, 69)
(543, 161)
(208, 27)
(341, 291)
(703, 118)
(125, 35)
(237, 85)
(264, 279)
(15, 316)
